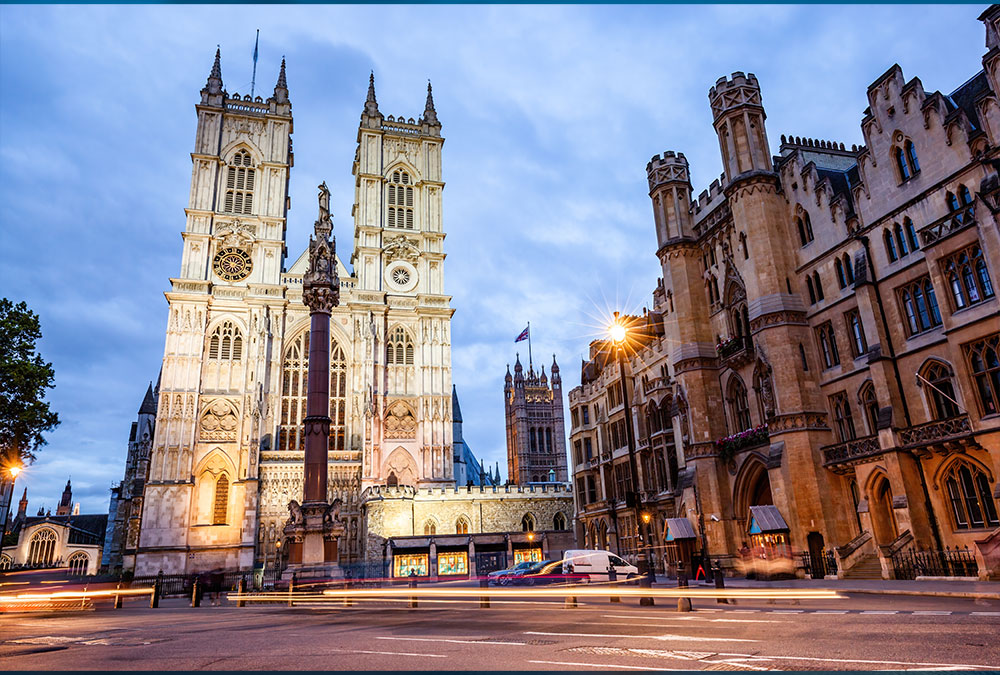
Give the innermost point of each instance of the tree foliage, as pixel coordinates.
(24, 377)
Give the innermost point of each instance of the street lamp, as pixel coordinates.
(12, 470)
(619, 335)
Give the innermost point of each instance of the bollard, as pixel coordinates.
(570, 602)
(613, 580)
(348, 600)
(195, 592)
(241, 589)
(154, 598)
(118, 597)
(683, 604)
(291, 588)
(413, 598)
(484, 600)
(720, 584)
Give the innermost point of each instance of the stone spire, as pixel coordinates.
(430, 115)
(148, 406)
(22, 506)
(556, 378)
(66, 501)
(321, 284)
(518, 368)
(281, 88)
(371, 104)
(212, 92)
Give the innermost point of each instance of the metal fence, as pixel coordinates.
(828, 560)
(371, 571)
(957, 562)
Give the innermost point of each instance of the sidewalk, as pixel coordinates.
(947, 589)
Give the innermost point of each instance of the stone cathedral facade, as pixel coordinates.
(227, 454)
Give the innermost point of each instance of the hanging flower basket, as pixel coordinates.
(728, 447)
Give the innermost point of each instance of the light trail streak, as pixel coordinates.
(71, 595)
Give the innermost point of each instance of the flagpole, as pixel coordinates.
(529, 346)
(253, 81)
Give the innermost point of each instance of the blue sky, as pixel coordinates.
(550, 114)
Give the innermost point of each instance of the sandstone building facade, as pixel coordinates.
(824, 340)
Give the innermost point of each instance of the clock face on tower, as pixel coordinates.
(232, 264)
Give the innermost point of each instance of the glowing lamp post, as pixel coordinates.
(13, 470)
(619, 335)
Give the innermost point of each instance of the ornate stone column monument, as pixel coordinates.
(313, 528)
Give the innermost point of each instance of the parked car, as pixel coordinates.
(547, 572)
(593, 565)
(502, 577)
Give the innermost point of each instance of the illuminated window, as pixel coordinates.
(450, 564)
(527, 555)
(221, 510)
(42, 548)
(462, 526)
(410, 565)
(6, 562)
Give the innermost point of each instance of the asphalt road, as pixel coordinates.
(863, 632)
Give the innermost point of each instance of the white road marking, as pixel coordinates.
(830, 611)
(844, 660)
(689, 638)
(688, 618)
(787, 611)
(452, 640)
(602, 666)
(365, 651)
(744, 611)
(880, 611)
(986, 614)
(931, 612)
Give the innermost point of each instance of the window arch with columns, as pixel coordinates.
(240, 179)
(967, 489)
(294, 390)
(42, 548)
(78, 563)
(739, 406)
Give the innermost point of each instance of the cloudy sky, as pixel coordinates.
(550, 115)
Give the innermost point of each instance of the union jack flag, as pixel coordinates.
(522, 336)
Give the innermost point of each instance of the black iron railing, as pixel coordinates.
(828, 559)
(957, 562)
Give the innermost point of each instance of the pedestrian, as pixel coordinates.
(215, 583)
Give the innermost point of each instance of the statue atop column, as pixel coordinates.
(313, 528)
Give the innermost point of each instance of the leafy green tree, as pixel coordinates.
(24, 377)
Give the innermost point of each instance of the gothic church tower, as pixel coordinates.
(200, 500)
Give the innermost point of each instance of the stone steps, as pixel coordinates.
(868, 567)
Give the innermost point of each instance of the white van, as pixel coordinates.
(595, 564)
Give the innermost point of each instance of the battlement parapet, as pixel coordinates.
(791, 142)
(532, 491)
(670, 167)
(734, 92)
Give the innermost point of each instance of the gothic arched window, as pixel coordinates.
(220, 510)
(972, 504)
(239, 184)
(859, 345)
(430, 527)
(941, 391)
(869, 406)
(890, 246)
(964, 193)
(559, 522)
(911, 155)
(828, 345)
(78, 563)
(843, 417)
(839, 267)
(920, 305)
(812, 292)
(399, 348)
(462, 526)
(294, 388)
(400, 200)
(911, 234)
(897, 231)
(984, 363)
(226, 343)
(848, 269)
(528, 523)
(42, 548)
(968, 278)
(6, 562)
(738, 404)
(901, 166)
(818, 285)
(805, 227)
